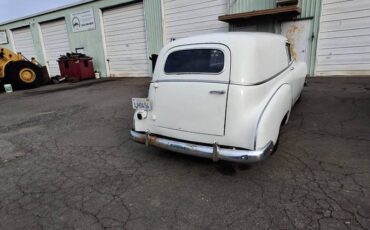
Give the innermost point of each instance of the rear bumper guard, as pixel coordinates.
(214, 152)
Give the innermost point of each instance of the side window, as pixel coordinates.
(288, 52)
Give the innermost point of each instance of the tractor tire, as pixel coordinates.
(23, 75)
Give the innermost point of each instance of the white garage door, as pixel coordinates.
(56, 43)
(344, 39)
(23, 42)
(185, 18)
(125, 41)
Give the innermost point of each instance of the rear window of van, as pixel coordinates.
(195, 61)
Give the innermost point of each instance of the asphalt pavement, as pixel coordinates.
(66, 162)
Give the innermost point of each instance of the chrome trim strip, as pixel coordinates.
(214, 152)
(266, 80)
(260, 116)
(226, 82)
(191, 80)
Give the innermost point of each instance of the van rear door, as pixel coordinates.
(191, 92)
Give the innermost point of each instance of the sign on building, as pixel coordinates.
(83, 20)
(3, 37)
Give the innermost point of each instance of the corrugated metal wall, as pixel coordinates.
(310, 8)
(92, 41)
(262, 25)
(153, 24)
(238, 6)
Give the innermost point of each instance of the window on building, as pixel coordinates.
(195, 61)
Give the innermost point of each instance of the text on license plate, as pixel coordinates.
(141, 103)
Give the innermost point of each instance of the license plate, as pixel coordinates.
(141, 103)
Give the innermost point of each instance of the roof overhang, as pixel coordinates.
(283, 13)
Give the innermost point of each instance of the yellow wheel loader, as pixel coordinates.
(18, 71)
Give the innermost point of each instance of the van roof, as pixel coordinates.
(230, 38)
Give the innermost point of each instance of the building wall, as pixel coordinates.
(92, 40)
(344, 39)
(310, 9)
(239, 6)
(154, 25)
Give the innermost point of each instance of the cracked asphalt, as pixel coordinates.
(66, 162)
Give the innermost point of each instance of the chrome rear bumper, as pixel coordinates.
(214, 152)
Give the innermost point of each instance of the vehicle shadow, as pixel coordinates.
(222, 167)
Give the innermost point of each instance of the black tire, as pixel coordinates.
(299, 99)
(13, 74)
(278, 138)
(276, 144)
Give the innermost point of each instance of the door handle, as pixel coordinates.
(219, 92)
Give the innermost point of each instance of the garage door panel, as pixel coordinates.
(344, 51)
(133, 40)
(113, 17)
(25, 38)
(347, 15)
(346, 6)
(351, 24)
(185, 18)
(133, 26)
(56, 43)
(195, 32)
(194, 27)
(23, 42)
(344, 59)
(121, 46)
(130, 64)
(125, 40)
(127, 32)
(349, 70)
(345, 42)
(118, 53)
(343, 25)
(200, 20)
(196, 7)
(346, 67)
(136, 8)
(175, 4)
(344, 38)
(346, 33)
(126, 37)
(131, 20)
(121, 50)
(199, 13)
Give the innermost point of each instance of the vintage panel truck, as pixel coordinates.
(220, 96)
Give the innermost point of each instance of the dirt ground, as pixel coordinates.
(66, 162)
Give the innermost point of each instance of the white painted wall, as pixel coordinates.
(344, 38)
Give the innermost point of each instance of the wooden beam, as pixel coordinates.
(285, 10)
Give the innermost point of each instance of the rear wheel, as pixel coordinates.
(283, 122)
(23, 75)
(276, 144)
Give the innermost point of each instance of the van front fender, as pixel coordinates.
(272, 115)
